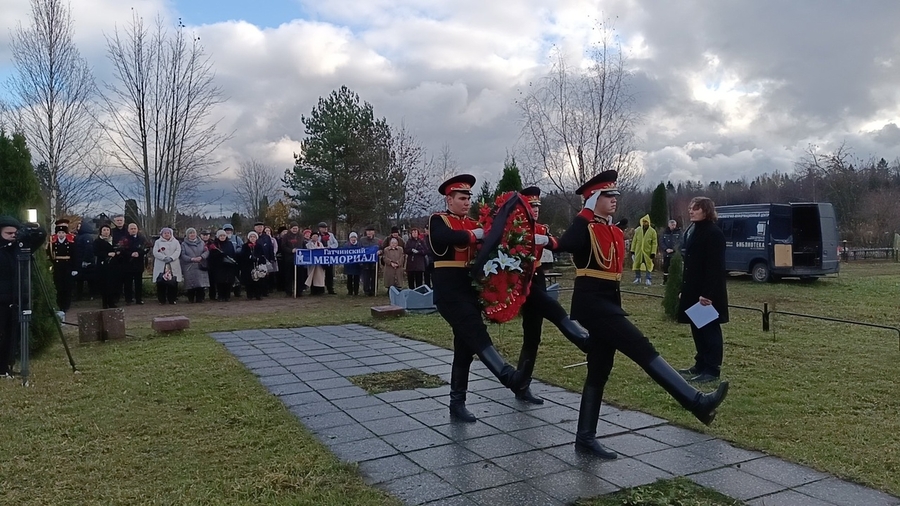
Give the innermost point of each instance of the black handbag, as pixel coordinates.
(167, 277)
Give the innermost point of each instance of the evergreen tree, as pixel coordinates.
(511, 180)
(237, 222)
(19, 191)
(484, 198)
(659, 209)
(673, 286)
(345, 172)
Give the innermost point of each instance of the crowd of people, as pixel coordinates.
(204, 265)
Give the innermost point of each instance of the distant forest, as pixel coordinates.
(865, 195)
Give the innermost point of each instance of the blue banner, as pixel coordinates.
(336, 256)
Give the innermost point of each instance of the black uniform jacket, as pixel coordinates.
(452, 243)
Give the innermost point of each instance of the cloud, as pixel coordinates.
(725, 90)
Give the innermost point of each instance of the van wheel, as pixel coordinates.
(760, 272)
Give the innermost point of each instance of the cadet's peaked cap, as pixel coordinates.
(604, 182)
(532, 194)
(62, 222)
(462, 183)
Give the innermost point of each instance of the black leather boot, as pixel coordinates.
(526, 367)
(508, 375)
(575, 333)
(459, 383)
(588, 416)
(702, 405)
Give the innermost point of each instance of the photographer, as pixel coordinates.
(9, 289)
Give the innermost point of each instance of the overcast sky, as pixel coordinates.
(725, 88)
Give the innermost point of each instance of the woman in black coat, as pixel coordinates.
(252, 255)
(107, 267)
(703, 248)
(222, 265)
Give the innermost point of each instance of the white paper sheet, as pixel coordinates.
(701, 315)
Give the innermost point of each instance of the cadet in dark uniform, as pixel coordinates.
(452, 240)
(598, 250)
(539, 305)
(62, 254)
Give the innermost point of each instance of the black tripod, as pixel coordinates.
(25, 259)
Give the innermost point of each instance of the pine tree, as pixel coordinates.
(484, 198)
(659, 209)
(673, 286)
(511, 180)
(19, 191)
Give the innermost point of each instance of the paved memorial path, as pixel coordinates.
(516, 454)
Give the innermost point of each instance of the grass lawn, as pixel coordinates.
(176, 419)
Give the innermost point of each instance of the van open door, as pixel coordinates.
(830, 260)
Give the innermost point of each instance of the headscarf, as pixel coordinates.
(187, 234)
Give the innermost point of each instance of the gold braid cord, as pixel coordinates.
(605, 262)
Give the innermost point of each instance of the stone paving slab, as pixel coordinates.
(516, 454)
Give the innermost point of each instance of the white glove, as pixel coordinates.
(415, 251)
(592, 202)
(74, 273)
(479, 233)
(541, 239)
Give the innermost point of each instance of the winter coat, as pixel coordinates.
(9, 277)
(223, 271)
(415, 254)
(703, 248)
(315, 273)
(84, 247)
(365, 242)
(393, 276)
(268, 247)
(671, 239)
(644, 246)
(133, 244)
(193, 276)
(162, 250)
(352, 269)
(251, 255)
(107, 274)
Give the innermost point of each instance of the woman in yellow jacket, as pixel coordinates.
(643, 250)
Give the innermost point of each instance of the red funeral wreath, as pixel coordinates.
(505, 279)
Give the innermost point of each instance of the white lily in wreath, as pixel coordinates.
(508, 263)
(490, 267)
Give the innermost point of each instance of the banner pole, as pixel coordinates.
(295, 280)
(376, 274)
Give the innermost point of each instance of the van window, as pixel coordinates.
(726, 225)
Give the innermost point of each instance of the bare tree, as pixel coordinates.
(578, 122)
(53, 90)
(421, 175)
(447, 166)
(161, 139)
(257, 183)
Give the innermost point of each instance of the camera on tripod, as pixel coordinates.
(31, 236)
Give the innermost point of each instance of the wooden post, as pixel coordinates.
(294, 289)
(377, 261)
